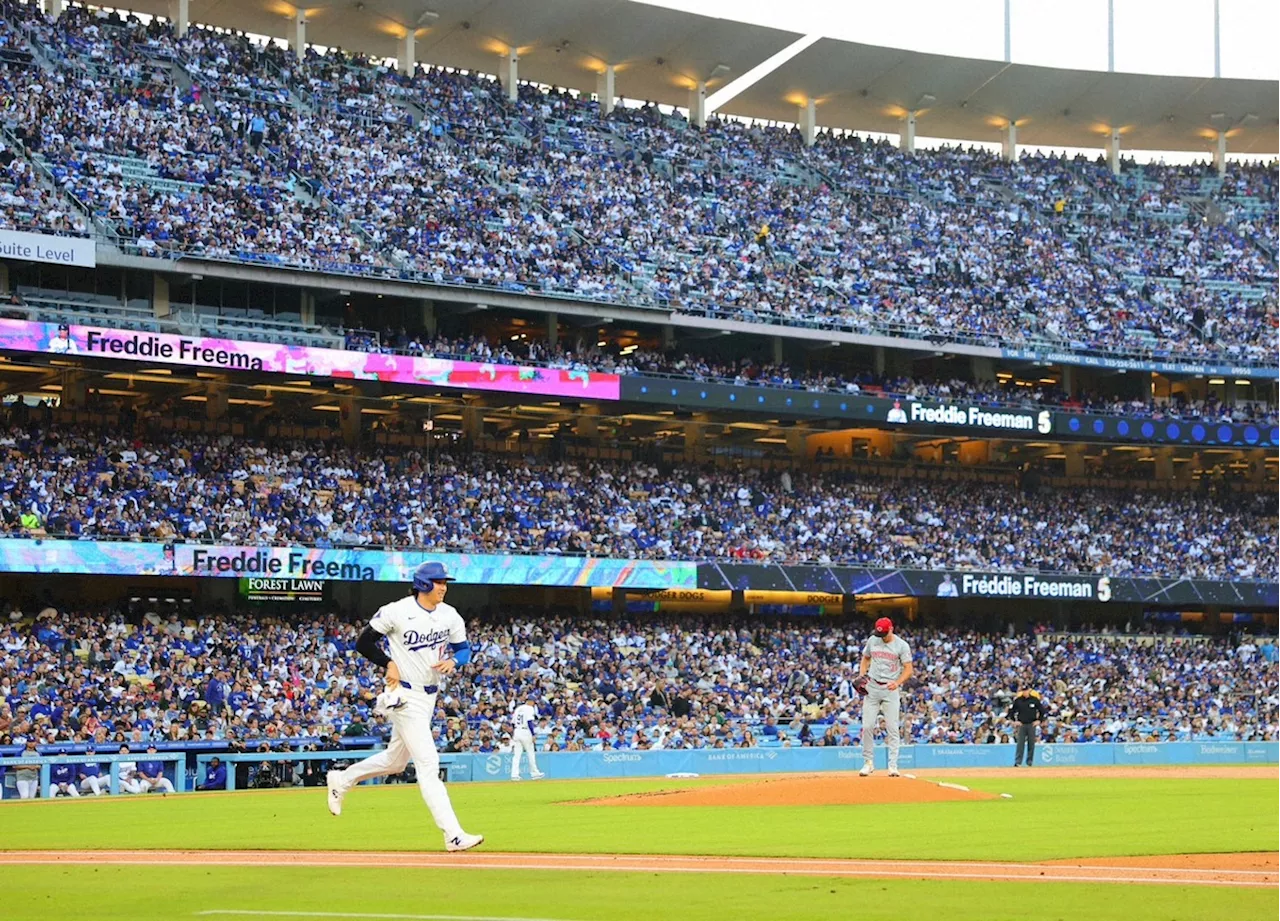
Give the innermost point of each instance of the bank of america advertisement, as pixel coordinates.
(296, 360)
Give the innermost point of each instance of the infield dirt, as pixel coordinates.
(804, 790)
(1218, 870)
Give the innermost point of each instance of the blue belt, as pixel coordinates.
(429, 689)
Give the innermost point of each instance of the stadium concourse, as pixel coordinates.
(212, 147)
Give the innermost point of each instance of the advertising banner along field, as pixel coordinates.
(234, 355)
(122, 558)
(690, 583)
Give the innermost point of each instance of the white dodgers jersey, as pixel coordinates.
(418, 638)
(524, 718)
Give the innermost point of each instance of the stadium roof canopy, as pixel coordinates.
(659, 54)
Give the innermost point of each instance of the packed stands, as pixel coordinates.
(82, 676)
(127, 484)
(211, 146)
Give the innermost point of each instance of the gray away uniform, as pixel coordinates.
(887, 662)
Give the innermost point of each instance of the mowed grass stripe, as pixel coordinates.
(170, 893)
(1046, 819)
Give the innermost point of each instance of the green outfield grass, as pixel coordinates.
(1047, 818)
(164, 894)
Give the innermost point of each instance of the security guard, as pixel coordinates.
(1027, 711)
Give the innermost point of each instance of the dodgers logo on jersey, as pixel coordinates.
(414, 640)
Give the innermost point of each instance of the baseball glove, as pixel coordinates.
(860, 685)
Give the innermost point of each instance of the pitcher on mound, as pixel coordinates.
(428, 640)
(886, 666)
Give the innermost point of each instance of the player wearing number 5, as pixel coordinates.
(886, 666)
(428, 640)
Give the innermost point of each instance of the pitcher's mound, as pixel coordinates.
(805, 790)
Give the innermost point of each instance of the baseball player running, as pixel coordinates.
(428, 640)
(886, 666)
(523, 720)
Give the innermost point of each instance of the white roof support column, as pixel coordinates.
(509, 73)
(698, 104)
(1220, 154)
(808, 122)
(1009, 143)
(605, 90)
(55, 8)
(180, 16)
(736, 87)
(1113, 152)
(408, 53)
(907, 140)
(300, 35)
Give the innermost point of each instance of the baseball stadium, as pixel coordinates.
(610, 460)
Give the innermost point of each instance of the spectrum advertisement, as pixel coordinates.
(234, 355)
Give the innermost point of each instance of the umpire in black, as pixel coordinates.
(1026, 711)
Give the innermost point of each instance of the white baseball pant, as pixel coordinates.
(94, 784)
(163, 784)
(28, 789)
(411, 738)
(523, 742)
(877, 701)
(132, 786)
(66, 789)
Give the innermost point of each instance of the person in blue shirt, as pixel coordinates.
(151, 775)
(215, 776)
(257, 130)
(91, 778)
(62, 780)
(216, 694)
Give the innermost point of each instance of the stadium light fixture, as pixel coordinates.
(427, 16)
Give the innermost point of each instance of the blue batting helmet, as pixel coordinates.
(429, 572)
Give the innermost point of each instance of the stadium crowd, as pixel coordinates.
(267, 681)
(586, 355)
(79, 483)
(211, 145)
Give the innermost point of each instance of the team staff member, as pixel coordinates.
(886, 663)
(215, 775)
(428, 641)
(62, 780)
(92, 780)
(151, 775)
(1026, 711)
(28, 774)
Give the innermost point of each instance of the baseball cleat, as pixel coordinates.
(336, 793)
(537, 775)
(515, 778)
(867, 769)
(893, 772)
(463, 842)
